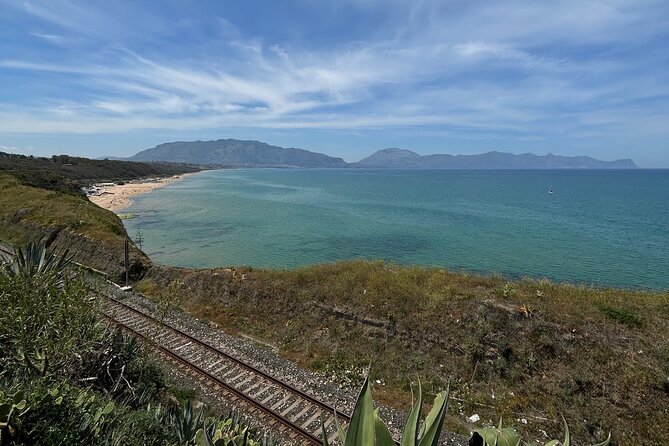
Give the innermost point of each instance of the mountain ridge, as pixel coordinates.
(402, 158)
(251, 153)
(237, 153)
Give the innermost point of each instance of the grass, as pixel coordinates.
(522, 350)
(96, 235)
(32, 210)
(622, 315)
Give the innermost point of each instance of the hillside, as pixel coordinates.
(401, 158)
(94, 235)
(69, 173)
(237, 153)
(524, 350)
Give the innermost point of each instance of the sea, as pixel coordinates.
(592, 227)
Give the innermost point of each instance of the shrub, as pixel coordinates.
(623, 316)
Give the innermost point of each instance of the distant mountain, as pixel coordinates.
(241, 153)
(401, 158)
(238, 153)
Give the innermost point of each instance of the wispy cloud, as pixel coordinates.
(530, 69)
(51, 38)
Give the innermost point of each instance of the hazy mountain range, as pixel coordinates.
(240, 153)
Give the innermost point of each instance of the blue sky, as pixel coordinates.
(343, 77)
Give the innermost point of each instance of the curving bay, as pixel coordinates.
(598, 227)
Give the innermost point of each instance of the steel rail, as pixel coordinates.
(296, 428)
(247, 399)
(231, 358)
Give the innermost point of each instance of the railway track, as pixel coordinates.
(276, 404)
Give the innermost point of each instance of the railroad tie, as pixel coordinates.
(327, 423)
(271, 396)
(303, 411)
(176, 349)
(248, 391)
(313, 418)
(211, 367)
(225, 366)
(292, 406)
(282, 402)
(333, 437)
(256, 396)
(250, 378)
(240, 375)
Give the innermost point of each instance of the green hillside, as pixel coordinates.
(96, 236)
(69, 173)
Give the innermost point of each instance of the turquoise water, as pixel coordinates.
(598, 227)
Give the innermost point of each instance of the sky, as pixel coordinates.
(343, 77)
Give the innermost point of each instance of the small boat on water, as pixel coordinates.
(550, 190)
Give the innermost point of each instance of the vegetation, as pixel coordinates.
(95, 235)
(68, 173)
(525, 350)
(367, 427)
(65, 378)
(507, 436)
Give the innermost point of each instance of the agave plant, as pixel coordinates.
(368, 429)
(186, 421)
(35, 260)
(501, 436)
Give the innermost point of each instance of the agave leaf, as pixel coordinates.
(383, 437)
(341, 433)
(435, 419)
(567, 437)
(605, 442)
(553, 443)
(410, 433)
(324, 433)
(506, 436)
(361, 427)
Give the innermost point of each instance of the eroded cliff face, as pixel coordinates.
(95, 237)
(107, 256)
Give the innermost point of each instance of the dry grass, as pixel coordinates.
(522, 350)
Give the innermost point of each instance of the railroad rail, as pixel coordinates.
(293, 413)
(276, 403)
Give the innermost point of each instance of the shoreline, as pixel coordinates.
(120, 196)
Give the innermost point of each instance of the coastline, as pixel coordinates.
(119, 196)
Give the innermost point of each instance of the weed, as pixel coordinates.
(622, 316)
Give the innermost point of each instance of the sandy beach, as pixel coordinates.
(116, 197)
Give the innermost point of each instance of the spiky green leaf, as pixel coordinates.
(324, 433)
(605, 442)
(383, 437)
(341, 433)
(410, 432)
(435, 420)
(361, 427)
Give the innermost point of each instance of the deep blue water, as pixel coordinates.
(598, 227)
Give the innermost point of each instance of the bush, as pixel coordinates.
(623, 316)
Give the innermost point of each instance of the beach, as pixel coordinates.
(115, 197)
